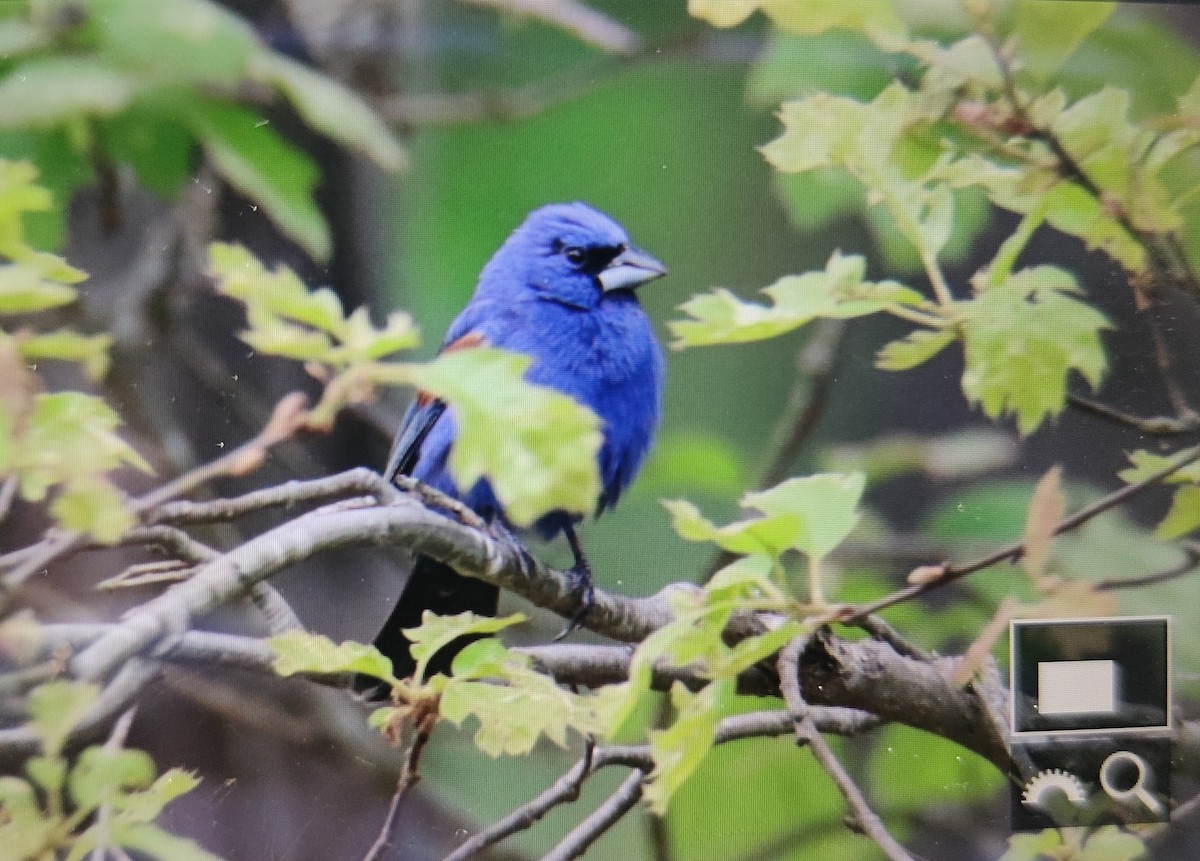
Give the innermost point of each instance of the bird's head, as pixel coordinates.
(569, 253)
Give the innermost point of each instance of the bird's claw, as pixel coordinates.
(581, 586)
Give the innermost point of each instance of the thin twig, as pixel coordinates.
(807, 733)
(564, 791)
(880, 629)
(286, 420)
(115, 741)
(1014, 552)
(1187, 566)
(608, 814)
(353, 482)
(409, 775)
(1151, 425)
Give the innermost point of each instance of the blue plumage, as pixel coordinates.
(561, 290)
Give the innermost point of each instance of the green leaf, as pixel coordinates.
(99, 775)
(48, 772)
(56, 708)
(1028, 847)
(768, 535)
(915, 348)
(301, 652)
(812, 514)
(839, 292)
(160, 844)
(680, 749)
(332, 109)
(877, 18)
(1023, 339)
(287, 319)
(191, 42)
(545, 460)
(263, 166)
(95, 507)
(50, 90)
(66, 345)
(1184, 514)
(1047, 34)
(24, 830)
(1146, 464)
(23, 290)
(827, 506)
(517, 705)
(1110, 843)
(71, 437)
(146, 805)
(148, 138)
(436, 632)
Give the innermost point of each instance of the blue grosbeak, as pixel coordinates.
(561, 290)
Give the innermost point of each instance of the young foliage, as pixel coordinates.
(120, 76)
(1183, 516)
(55, 810)
(63, 444)
(840, 292)
(977, 113)
(813, 514)
(1021, 341)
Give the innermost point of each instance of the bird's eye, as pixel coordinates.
(575, 254)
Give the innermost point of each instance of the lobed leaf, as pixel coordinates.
(546, 459)
(56, 708)
(679, 749)
(1184, 514)
(101, 775)
(1023, 339)
(839, 292)
(516, 706)
(436, 632)
(1045, 35)
(813, 514)
(301, 652)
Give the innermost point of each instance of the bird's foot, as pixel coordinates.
(585, 592)
(504, 534)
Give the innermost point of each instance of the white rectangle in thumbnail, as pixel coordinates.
(1077, 687)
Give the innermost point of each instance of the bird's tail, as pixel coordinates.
(436, 587)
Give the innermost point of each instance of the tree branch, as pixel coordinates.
(1014, 552)
(404, 523)
(1151, 426)
(409, 775)
(807, 733)
(286, 420)
(564, 791)
(602, 818)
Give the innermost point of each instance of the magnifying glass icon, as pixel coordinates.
(1110, 770)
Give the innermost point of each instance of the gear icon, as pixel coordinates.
(1052, 779)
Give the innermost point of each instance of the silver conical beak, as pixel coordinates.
(631, 268)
